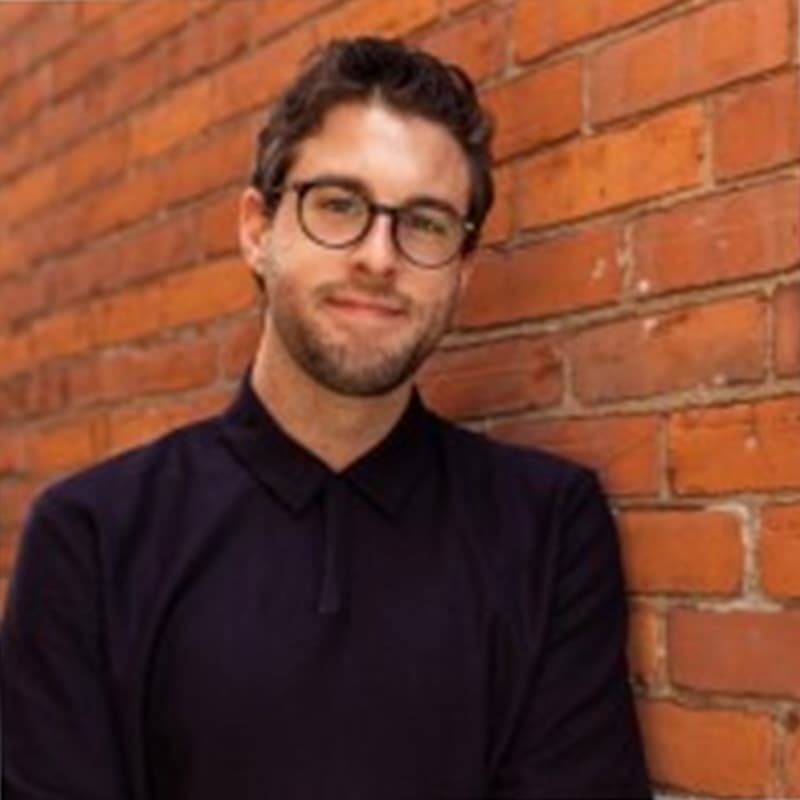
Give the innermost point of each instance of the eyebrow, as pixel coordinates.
(355, 183)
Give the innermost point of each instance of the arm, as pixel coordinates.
(576, 735)
(59, 738)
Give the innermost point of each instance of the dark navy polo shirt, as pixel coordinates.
(219, 616)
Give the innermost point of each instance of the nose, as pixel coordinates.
(376, 253)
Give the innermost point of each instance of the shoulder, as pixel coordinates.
(481, 457)
(133, 475)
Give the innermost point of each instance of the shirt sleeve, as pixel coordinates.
(59, 737)
(576, 734)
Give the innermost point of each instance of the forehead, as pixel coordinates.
(395, 155)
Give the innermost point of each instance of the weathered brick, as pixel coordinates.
(657, 156)
(542, 27)
(792, 758)
(576, 271)
(740, 146)
(95, 160)
(369, 17)
(30, 193)
(214, 162)
(127, 315)
(644, 647)
(735, 448)
(500, 376)
(217, 225)
(67, 445)
(681, 551)
(719, 344)
(624, 450)
(542, 106)
(61, 334)
(692, 53)
(179, 116)
(51, 30)
(739, 234)
(207, 292)
(273, 16)
(88, 54)
(24, 97)
(737, 652)
(713, 751)
(239, 344)
(21, 297)
(476, 43)
(13, 452)
(144, 23)
(499, 223)
(779, 551)
(134, 425)
(254, 80)
(787, 330)
(91, 12)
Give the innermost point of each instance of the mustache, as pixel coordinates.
(393, 299)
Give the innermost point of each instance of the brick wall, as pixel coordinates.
(637, 305)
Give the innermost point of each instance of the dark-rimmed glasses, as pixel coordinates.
(337, 214)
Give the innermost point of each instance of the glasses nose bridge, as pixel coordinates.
(376, 209)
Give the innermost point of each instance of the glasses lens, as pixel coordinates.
(428, 234)
(334, 215)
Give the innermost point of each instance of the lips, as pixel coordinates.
(366, 305)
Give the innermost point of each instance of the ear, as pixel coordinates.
(253, 227)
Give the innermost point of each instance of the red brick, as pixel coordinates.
(539, 107)
(712, 751)
(787, 330)
(15, 354)
(719, 344)
(253, 81)
(61, 334)
(742, 146)
(207, 292)
(75, 65)
(179, 116)
(644, 644)
(126, 316)
(30, 193)
(499, 222)
(214, 162)
(141, 79)
(95, 160)
(144, 23)
(750, 232)
(743, 447)
(779, 551)
(131, 425)
(239, 345)
(190, 50)
(683, 551)
(58, 125)
(14, 254)
(16, 498)
(792, 758)
(659, 155)
(576, 271)
(476, 43)
(624, 450)
(17, 152)
(230, 29)
(272, 16)
(21, 297)
(368, 17)
(14, 15)
(737, 652)
(67, 445)
(692, 53)
(217, 223)
(52, 30)
(24, 97)
(506, 375)
(542, 27)
(13, 453)
(157, 249)
(93, 11)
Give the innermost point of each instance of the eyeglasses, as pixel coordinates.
(337, 214)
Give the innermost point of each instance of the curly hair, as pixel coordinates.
(387, 70)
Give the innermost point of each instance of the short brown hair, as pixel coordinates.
(407, 80)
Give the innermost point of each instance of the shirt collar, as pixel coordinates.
(385, 475)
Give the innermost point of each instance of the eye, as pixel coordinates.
(337, 202)
(427, 222)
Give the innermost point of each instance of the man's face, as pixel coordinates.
(361, 319)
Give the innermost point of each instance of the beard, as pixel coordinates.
(347, 364)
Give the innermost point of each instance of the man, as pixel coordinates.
(328, 591)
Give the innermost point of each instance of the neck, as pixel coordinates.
(336, 428)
